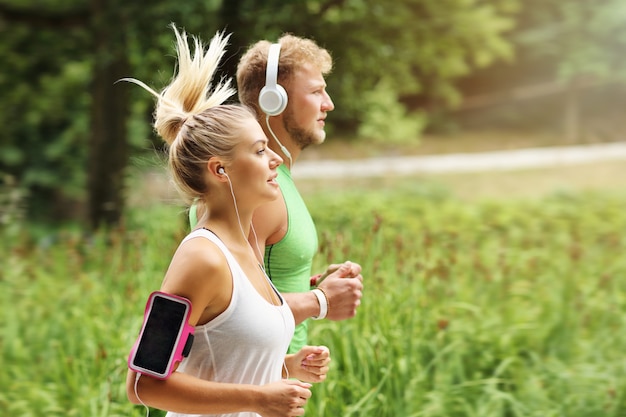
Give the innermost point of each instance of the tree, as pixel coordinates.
(410, 51)
(582, 42)
(60, 64)
(390, 58)
(567, 73)
(43, 97)
(108, 150)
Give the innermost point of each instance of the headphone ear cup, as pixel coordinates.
(273, 100)
(272, 97)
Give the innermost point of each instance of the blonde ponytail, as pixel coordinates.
(190, 91)
(191, 88)
(190, 115)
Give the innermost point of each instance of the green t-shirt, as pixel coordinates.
(288, 262)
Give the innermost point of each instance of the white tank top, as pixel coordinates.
(246, 343)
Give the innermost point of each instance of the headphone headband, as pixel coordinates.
(271, 72)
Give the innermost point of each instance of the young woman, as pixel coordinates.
(218, 153)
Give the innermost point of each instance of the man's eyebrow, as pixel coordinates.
(317, 84)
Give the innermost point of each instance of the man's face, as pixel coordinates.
(304, 117)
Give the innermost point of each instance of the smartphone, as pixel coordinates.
(165, 337)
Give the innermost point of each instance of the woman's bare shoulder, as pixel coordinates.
(198, 270)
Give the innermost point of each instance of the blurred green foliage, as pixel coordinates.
(398, 65)
(580, 37)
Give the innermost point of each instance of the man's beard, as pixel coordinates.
(302, 137)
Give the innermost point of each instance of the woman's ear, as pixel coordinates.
(216, 169)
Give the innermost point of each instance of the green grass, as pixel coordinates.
(72, 305)
(483, 307)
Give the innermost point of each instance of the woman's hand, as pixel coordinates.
(284, 398)
(309, 364)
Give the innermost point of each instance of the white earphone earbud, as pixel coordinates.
(220, 170)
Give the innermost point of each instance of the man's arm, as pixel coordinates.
(303, 305)
(343, 286)
(269, 226)
(270, 223)
(343, 290)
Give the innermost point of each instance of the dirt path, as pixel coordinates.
(456, 163)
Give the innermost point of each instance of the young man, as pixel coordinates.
(284, 83)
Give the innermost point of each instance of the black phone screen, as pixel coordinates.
(158, 340)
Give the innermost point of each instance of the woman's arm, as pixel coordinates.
(186, 394)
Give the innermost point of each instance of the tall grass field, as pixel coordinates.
(490, 308)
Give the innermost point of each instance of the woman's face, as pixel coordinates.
(253, 167)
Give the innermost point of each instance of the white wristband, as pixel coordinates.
(321, 298)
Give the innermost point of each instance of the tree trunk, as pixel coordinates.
(571, 123)
(231, 22)
(108, 146)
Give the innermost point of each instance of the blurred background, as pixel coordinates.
(410, 76)
(491, 293)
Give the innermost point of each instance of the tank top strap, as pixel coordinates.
(238, 273)
(208, 234)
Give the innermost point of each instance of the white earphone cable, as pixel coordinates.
(282, 148)
(137, 376)
(232, 192)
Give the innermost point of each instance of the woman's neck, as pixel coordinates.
(231, 226)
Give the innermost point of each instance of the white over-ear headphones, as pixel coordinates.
(273, 97)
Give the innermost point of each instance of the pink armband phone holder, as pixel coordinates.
(166, 336)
